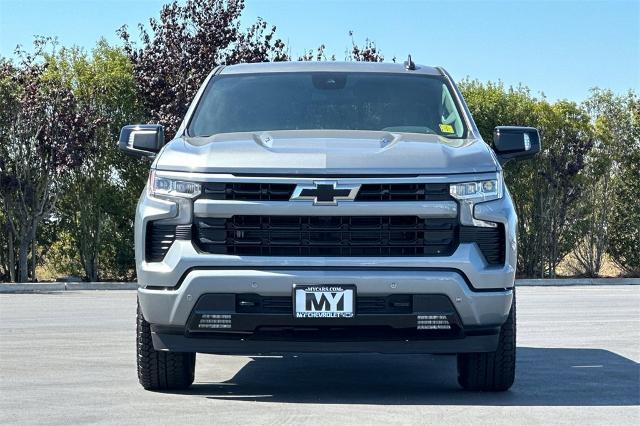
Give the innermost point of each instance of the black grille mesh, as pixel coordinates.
(327, 236)
(247, 191)
(404, 192)
(368, 192)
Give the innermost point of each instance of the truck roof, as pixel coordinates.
(326, 66)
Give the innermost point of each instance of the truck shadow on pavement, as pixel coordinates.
(545, 377)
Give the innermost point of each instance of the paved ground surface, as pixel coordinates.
(68, 357)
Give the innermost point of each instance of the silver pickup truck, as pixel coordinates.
(327, 207)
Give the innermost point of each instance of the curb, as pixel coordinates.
(101, 286)
(564, 282)
(57, 286)
(31, 287)
(60, 286)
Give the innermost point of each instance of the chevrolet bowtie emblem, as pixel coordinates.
(325, 193)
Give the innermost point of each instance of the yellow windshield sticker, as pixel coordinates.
(446, 128)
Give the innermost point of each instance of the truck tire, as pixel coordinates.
(492, 371)
(161, 370)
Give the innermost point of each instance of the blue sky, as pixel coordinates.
(561, 48)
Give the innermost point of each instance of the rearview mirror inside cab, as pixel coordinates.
(514, 142)
(141, 140)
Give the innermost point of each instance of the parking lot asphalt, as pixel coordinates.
(69, 358)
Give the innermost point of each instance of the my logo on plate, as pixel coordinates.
(318, 301)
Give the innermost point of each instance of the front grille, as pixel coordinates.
(247, 191)
(404, 192)
(327, 236)
(392, 304)
(368, 192)
(491, 241)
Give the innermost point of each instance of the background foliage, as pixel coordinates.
(67, 197)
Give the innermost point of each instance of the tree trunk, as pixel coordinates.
(94, 270)
(23, 261)
(34, 261)
(11, 257)
(88, 232)
(91, 269)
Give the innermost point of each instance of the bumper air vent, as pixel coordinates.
(490, 241)
(160, 237)
(158, 240)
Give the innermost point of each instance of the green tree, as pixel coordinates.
(568, 136)
(43, 137)
(9, 92)
(613, 123)
(95, 198)
(624, 219)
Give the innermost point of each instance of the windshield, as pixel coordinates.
(327, 100)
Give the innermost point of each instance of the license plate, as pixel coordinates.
(323, 301)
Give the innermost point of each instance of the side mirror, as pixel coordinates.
(513, 142)
(141, 140)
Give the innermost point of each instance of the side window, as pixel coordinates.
(450, 122)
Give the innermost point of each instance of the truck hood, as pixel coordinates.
(327, 152)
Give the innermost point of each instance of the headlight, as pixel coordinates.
(170, 187)
(483, 190)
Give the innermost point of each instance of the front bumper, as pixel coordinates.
(478, 314)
